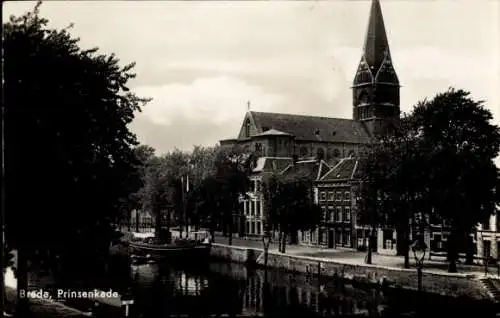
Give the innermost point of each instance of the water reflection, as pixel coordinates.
(222, 288)
(232, 289)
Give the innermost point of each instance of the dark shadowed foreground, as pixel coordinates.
(234, 290)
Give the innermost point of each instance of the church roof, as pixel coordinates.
(346, 169)
(312, 128)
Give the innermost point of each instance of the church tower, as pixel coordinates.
(376, 85)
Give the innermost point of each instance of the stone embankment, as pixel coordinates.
(456, 284)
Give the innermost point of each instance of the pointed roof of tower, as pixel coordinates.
(376, 44)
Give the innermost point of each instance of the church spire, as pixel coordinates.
(376, 85)
(376, 62)
(376, 44)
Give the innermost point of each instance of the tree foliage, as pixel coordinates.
(439, 162)
(290, 206)
(68, 147)
(460, 144)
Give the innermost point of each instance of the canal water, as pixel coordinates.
(234, 290)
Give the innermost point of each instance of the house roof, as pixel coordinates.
(312, 128)
(346, 169)
(271, 164)
(313, 169)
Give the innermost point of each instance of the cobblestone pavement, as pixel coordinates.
(436, 264)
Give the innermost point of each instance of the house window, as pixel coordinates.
(322, 196)
(247, 207)
(323, 210)
(338, 196)
(247, 128)
(253, 228)
(339, 214)
(247, 227)
(332, 216)
(252, 203)
(331, 196)
(347, 196)
(258, 224)
(257, 209)
(347, 214)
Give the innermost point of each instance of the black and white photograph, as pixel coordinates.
(321, 158)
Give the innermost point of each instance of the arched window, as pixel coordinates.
(363, 98)
(247, 128)
(320, 153)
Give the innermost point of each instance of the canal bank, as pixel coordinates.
(446, 284)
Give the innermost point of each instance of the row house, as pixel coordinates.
(253, 205)
(335, 194)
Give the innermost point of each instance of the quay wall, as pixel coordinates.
(446, 284)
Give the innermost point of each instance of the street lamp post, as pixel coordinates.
(419, 248)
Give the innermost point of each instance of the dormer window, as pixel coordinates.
(247, 128)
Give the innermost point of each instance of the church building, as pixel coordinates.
(289, 138)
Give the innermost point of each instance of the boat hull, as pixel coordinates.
(172, 252)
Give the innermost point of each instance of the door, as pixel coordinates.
(331, 239)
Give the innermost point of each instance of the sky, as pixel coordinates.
(201, 62)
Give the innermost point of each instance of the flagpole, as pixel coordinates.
(186, 189)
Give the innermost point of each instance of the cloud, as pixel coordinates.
(215, 100)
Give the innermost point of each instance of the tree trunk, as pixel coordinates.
(22, 306)
(157, 213)
(137, 221)
(280, 241)
(406, 248)
(130, 221)
(294, 237)
(469, 254)
(452, 252)
(368, 259)
(283, 245)
(400, 237)
(230, 230)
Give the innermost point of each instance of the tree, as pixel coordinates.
(289, 206)
(143, 155)
(392, 190)
(202, 166)
(68, 147)
(460, 143)
(232, 174)
(163, 188)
